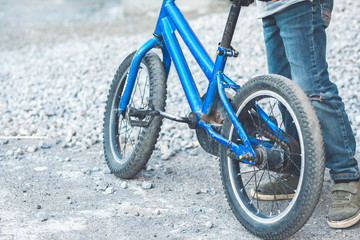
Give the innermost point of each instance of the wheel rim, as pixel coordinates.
(243, 177)
(124, 137)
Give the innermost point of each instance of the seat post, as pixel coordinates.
(231, 24)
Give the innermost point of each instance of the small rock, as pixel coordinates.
(149, 168)
(194, 152)
(212, 192)
(31, 149)
(89, 142)
(19, 151)
(102, 186)
(124, 185)
(166, 156)
(40, 169)
(38, 206)
(9, 153)
(44, 145)
(109, 190)
(164, 149)
(184, 143)
(357, 119)
(147, 185)
(43, 216)
(204, 190)
(23, 132)
(70, 133)
(209, 224)
(156, 212)
(167, 170)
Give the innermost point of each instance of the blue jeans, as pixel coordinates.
(295, 42)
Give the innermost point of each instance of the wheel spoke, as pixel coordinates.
(249, 179)
(274, 202)
(256, 190)
(283, 184)
(138, 88)
(143, 94)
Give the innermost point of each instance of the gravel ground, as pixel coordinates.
(53, 177)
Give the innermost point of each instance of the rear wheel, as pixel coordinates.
(300, 154)
(127, 147)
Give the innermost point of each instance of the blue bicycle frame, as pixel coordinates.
(171, 20)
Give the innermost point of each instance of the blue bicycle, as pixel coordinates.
(263, 131)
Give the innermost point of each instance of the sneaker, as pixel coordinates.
(345, 209)
(278, 189)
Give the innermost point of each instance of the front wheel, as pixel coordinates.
(128, 147)
(297, 150)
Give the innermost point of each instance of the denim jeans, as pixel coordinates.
(295, 41)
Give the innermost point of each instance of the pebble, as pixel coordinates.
(166, 156)
(156, 212)
(146, 185)
(31, 149)
(124, 185)
(40, 169)
(43, 145)
(194, 152)
(149, 168)
(204, 190)
(109, 190)
(43, 216)
(168, 170)
(136, 213)
(9, 153)
(209, 224)
(164, 149)
(357, 119)
(20, 151)
(102, 186)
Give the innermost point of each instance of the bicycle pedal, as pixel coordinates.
(138, 117)
(140, 123)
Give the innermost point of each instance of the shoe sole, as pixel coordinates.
(267, 197)
(345, 223)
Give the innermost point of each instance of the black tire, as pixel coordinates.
(128, 148)
(274, 219)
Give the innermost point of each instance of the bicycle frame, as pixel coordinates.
(171, 20)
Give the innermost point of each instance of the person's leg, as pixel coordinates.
(277, 64)
(283, 187)
(275, 50)
(302, 31)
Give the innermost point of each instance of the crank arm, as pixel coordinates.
(142, 113)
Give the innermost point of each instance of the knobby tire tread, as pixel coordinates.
(148, 138)
(314, 151)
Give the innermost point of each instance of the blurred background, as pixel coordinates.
(25, 22)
